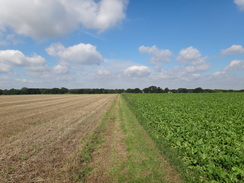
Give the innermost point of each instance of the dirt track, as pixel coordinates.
(39, 134)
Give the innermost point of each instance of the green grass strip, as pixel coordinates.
(144, 163)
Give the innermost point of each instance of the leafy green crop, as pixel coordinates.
(206, 129)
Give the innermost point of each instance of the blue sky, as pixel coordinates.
(122, 44)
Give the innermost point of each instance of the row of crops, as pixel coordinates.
(206, 130)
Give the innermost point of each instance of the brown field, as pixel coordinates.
(39, 134)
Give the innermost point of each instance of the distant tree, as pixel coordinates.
(159, 90)
(33, 91)
(24, 91)
(120, 91)
(45, 91)
(166, 90)
(174, 91)
(230, 91)
(14, 92)
(129, 90)
(55, 91)
(101, 90)
(137, 90)
(1, 92)
(153, 89)
(145, 90)
(198, 90)
(182, 90)
(208, 91)
(64, 90)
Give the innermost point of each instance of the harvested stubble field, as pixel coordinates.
(40, 134)
(77, 138)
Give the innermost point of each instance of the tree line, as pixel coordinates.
(151, 89)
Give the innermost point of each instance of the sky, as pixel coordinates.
(122, 44)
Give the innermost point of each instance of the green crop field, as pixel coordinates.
(205, 130)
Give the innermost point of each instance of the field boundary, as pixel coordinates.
(120, 150)
(172, 155)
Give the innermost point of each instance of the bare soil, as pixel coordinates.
(39, 134)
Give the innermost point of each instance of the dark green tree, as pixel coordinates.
(182, 90)
(14, 92)
(64, 90)
(198, 90)
(152, 89)
(166, 90)
(24, 91)
(55, 91)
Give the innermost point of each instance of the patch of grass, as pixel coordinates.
(144, 163)
(24, 157)
(79, 172)
(7, 175)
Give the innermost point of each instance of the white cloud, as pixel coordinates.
(191, 57)
(12, 58)
(85, 54)
(234, 49)
(105, 14)
(4, 68)
(178, 73)
(240, 4)
(201, 67)
(235, 65)
(103, 73)
(158, 55)
(24, 81)
(36, 63)
(53, 18)
(219, 73)
(137, 71)
(61, 69)
(196, 75)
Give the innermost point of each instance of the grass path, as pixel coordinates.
(123, 151)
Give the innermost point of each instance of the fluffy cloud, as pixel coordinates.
(53, 18)
(4, 68)
(219, 73)
(240, 4)
(103, 73)
(194, 68)
(11, 58)
(191, 57)
(61, 68)
(235, 65)
(158, 55)
(137, 71)
(85, 54)
(234, 49)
